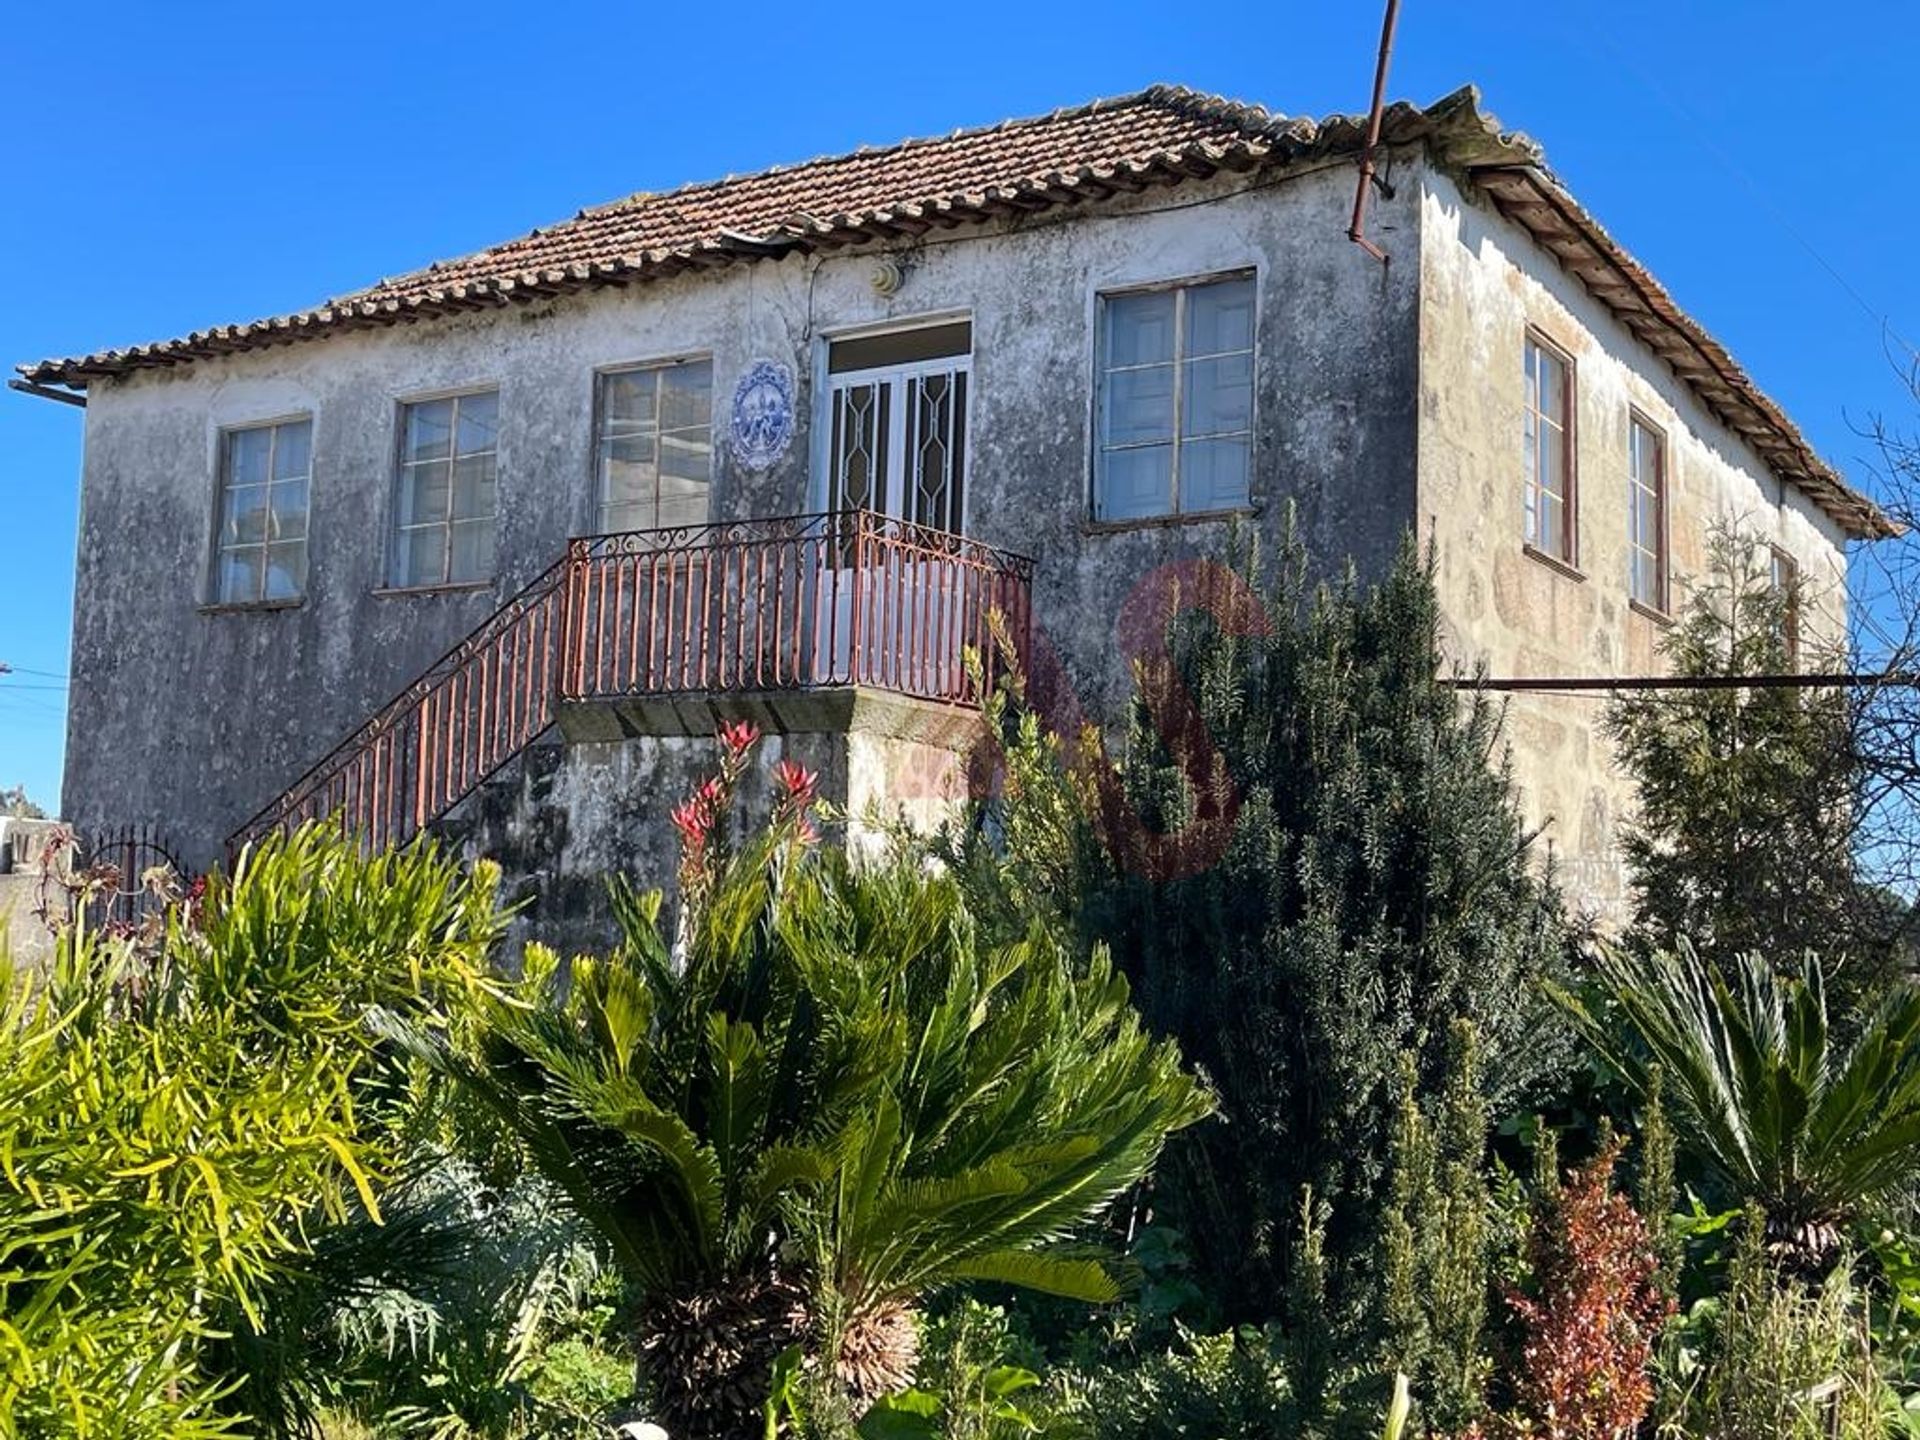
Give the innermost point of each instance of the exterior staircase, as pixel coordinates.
(756, 608)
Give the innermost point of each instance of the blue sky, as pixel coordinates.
(173, 166)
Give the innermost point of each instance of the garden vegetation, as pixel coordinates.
(1250, 1081)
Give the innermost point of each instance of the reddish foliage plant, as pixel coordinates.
(1591, 1322)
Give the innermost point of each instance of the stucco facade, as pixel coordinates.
(1483, 286)
(1386, 397)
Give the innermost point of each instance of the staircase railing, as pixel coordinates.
(467, 714)
(800, 602)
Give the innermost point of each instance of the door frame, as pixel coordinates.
(820, 478)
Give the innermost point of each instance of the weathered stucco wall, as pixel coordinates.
(1483, 283)
(193, 717)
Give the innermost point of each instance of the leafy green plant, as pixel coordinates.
(823, 1098)
(1752, 812)
(1788, 1360)
(182, 1110)
(486, 1329)
(969, 1387)
(1227, 1386)
(1812, 1129)
(1436, 1240)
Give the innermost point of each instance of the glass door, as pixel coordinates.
(896, 446)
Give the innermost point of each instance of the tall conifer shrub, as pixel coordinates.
(1376, 884)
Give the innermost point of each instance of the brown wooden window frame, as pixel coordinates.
(1568, 551)
(1662, 492)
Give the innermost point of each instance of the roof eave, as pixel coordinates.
(1532, 197)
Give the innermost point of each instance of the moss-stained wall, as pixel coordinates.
(193, 718)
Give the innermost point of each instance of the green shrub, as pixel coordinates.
(825, 1097)
(182, 1109)
(1229, 1386)
(1310, 862)
(1787, 1360)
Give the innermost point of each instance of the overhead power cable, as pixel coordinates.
(1829, 680)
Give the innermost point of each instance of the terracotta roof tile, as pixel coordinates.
(1161, 136)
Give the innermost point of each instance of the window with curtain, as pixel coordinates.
(655, 446)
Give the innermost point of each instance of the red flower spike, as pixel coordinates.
(739, 737)
(693, 821)
(798, 781)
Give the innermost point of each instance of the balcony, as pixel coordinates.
(796, 623)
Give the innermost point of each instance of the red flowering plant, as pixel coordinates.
(701, 817)
(799, 798)
(1596, 1308)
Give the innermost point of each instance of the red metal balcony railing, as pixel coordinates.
(797, 603)
(806, 602)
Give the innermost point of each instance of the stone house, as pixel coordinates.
(817, 423)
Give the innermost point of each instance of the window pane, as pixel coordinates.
(423, 556)
(900, 347)
(623, 515)
(240, 575)
(1547, 522)
(424, 493)
(286, 570)
(478, 422)
(288, 501)
(629, 398)
(1140, 329)
(473, 487)
(1553, 463)
(1220, 317)
(682, 502)
(292, 447)
(1553, 387)
(686, 457)
(686, 397)
(247, 455)
(246, 515)
(472, 550)
(1139, 405)
(429, 430)
(1136, 483)
(1213, 474)
(1218, 396)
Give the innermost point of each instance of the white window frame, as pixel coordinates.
(222, 483)
(597, 517)
(394, 584)
(832, 384)
(1180, 288)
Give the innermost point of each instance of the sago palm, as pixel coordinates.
(1783, 1114)
(1016, 1097)
(826, 1098)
